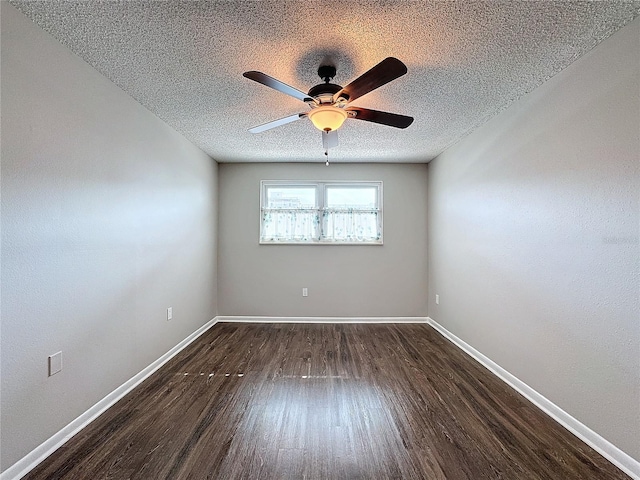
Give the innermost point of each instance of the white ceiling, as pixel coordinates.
(467, 61)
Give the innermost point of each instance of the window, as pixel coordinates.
(321, 212)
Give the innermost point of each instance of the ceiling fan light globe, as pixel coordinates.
(327, 118)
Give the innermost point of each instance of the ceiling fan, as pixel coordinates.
(330, 103)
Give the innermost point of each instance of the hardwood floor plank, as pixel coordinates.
(324, 401)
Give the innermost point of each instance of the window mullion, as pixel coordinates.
(321, 210)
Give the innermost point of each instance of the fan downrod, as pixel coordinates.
(327, 72)
(324, 91)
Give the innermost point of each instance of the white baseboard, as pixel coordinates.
(608, 450)
(259, 319)
(36, 456)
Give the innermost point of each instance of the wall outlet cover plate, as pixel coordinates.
(55, 363)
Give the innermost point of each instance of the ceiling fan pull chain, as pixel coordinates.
(326, 153)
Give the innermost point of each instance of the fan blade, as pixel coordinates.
(277, 85)
(384, 118)
(277, 123)
(329, 139)
(388, 69)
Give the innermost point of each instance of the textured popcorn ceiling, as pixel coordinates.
(467, 61)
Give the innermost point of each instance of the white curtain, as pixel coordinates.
(290, 225)
(351, 225)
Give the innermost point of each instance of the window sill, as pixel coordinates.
(362, 244)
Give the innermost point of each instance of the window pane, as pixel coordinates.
(352, 197)
(351, 214)
(291, 197)
(351, 226)
(293, 225)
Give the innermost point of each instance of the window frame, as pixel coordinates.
(321, 201)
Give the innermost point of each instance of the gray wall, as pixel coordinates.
(533, 239)
(349, 281)
(108, 218)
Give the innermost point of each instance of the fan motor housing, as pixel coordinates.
(324, 89)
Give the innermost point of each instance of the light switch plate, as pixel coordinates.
(55, 363)
(169, 313)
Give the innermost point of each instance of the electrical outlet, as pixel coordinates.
(437, 299)
(305, 292)
(169, 313)
(55, 363)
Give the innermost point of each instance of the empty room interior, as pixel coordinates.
(323, 240)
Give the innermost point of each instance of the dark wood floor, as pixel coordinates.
(311, 401)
